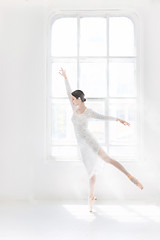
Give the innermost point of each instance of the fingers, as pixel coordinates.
(62, 71)
(128, 123)
(125, 123)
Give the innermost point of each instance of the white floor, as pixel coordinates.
(48, 220)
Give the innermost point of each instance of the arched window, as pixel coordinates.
(99, 55)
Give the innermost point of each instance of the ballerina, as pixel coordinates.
(90, 149)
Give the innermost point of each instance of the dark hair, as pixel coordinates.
(79, 93)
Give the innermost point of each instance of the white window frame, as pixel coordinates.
(110, 13)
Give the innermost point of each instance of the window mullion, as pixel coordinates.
(78, 46)
(107, 98)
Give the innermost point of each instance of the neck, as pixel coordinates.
(81, 106)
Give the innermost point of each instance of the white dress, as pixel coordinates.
(87, 143)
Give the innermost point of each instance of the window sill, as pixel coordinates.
(76, 160)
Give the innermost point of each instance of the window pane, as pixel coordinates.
(125, 110)
(64, 37)
(57, 81)
(123, 152)
(61, 124)
(96, 126)
(122, 79)
(121, 37)
(93, 78)
(65, 153)
(93, 36)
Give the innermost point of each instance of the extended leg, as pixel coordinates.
(115, 163)
(107, 159)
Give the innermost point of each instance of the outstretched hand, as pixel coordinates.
(123, 122)
(63, 72)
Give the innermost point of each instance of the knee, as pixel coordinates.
(112, 161)
(93, 178)
(105, 157)
(109, 160)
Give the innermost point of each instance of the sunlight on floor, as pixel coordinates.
(80, 212)
(47, 220)
(127, 213)
(151, 212)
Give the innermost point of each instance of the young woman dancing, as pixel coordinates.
(90, 149)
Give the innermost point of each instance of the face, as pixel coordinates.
(75, 101)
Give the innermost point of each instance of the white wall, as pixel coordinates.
(24, 172)
(22, 93)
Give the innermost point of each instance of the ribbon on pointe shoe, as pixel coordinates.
(91, 200)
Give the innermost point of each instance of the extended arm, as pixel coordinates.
(94, 114)
(68, 88)
(97, 115)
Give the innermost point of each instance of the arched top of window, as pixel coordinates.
(95, 35)
(121, 36)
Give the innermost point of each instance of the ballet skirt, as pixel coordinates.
(88, 146)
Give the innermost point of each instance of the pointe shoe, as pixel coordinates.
(91, 200)
(135, 181)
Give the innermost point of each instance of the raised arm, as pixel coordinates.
(68, 88)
